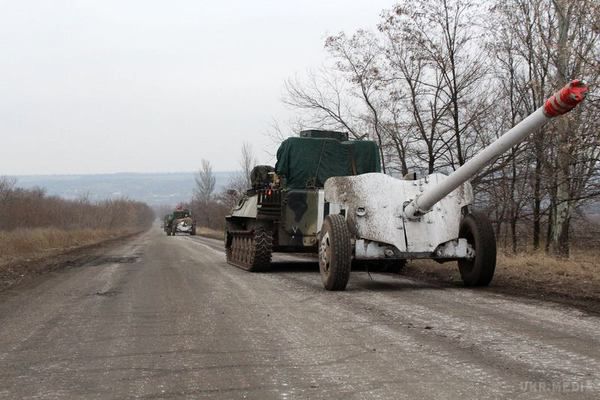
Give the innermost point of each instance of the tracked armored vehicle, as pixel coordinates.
(310, 204)
(285, 208)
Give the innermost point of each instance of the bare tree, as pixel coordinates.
(205, 183)
(247, 162)
(6, 186)
(551, 42)
(441, 80)
(203, 194)
(358, 57)
(518, 40)
(573, 38)
(416, 92)
(325, 97)
(439, 56)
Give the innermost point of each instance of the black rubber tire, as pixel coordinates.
(335, 253)
(193, 231)
(478, 230)
(260, 257)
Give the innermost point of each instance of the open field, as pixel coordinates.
(45, 242)
(28, 252)
(575, 280)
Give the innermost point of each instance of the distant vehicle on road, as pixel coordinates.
(180, 220)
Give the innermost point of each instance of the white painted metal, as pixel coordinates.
(423, 203)
(184, 227)
(320, 209)
(458, 248)
(373, 206)
(334, 209)
(365, 249)
(369, 250)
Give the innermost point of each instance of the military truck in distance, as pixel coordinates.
(284, 209)
(180, 220)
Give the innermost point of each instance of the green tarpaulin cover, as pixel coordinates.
(308, 162)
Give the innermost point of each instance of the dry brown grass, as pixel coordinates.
(581, 264)
(578, 275)
(208, 232)
(534, 274)
(40, 232)
(43, 242)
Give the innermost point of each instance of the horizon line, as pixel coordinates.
(114, 173)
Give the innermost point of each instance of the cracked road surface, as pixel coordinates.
(166, 317)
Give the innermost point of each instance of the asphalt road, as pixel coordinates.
(166, 317)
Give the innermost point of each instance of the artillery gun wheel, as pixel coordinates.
(477, 229)
(250, 250)
(335, 253)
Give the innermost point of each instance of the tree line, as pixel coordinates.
(33, 208)
(436, 81)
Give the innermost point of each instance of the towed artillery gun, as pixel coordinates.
(367, 215)
(180, 220)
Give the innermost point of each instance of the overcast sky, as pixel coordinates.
(153, 86)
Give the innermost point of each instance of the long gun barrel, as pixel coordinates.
(560, 103)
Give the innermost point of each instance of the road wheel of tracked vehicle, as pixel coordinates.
(245, 250)
(228, 245)
(250, 250)
(335, 253)
(260, 248)
(236, 247)
(478, 230)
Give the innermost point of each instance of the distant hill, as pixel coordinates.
(152, 188)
